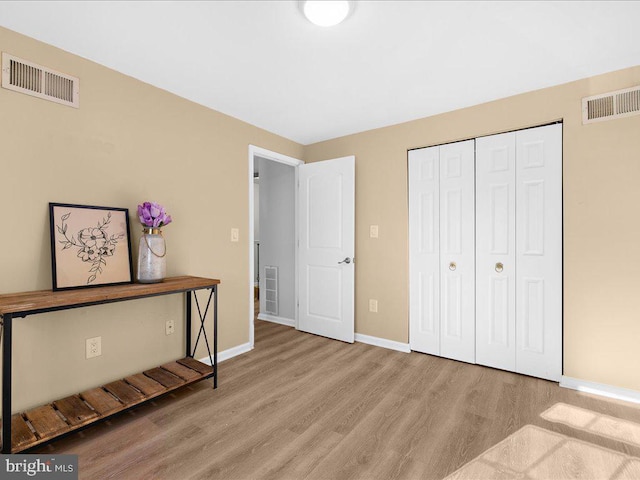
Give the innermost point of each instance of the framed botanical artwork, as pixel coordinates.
(90, 246)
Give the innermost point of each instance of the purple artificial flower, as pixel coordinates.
(152, 214)
(156, 210)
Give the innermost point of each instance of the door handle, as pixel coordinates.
(452, 266)
(499, 267)
(346, 260)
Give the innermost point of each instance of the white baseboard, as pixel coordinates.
(229, 353)
(383, 342)
(288, 322)
(602, 389)
(359, 337)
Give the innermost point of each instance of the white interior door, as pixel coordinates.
(424, 250)
(539, 252)
(457, 251)
(326, 230)
(496, 251)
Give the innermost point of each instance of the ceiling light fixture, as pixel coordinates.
(326, 13)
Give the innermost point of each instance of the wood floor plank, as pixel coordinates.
(317, 441)
(301, 407)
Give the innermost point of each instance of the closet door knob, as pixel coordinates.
(452, 266)
(499, 267)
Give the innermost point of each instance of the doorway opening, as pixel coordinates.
(272, 238)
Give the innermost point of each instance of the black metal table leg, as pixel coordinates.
(188, 325)
(213, 359)
(215, 336)
(6, 383)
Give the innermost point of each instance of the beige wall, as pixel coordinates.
(129, 142)
(601, 220)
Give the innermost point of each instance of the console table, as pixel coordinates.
(25, 430)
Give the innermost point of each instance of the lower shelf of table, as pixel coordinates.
(60, 417)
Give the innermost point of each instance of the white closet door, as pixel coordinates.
(457, 251)
(539, 252)
(424, 248)
(495, 251)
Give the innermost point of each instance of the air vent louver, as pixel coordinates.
(29, 78)
(271, 290)
(607, 106)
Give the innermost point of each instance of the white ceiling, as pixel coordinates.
(389, 62)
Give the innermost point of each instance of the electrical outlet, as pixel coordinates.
(235, 234)
(373, 231)
(373, 305)
(94, 347)
(170, 327)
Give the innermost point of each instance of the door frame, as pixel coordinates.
(254, 152)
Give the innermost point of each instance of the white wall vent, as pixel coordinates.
(271, 290)
(27, 77)
(607, 106)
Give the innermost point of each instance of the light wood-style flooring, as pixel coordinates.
(301, 406)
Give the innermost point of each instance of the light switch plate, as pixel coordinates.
(373, 231)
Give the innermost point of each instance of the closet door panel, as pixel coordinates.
(457, 251)
(539, 252)
(496, 251)
(424, 251)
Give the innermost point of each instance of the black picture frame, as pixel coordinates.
(90, 246)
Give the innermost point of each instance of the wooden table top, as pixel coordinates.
(48, 300)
